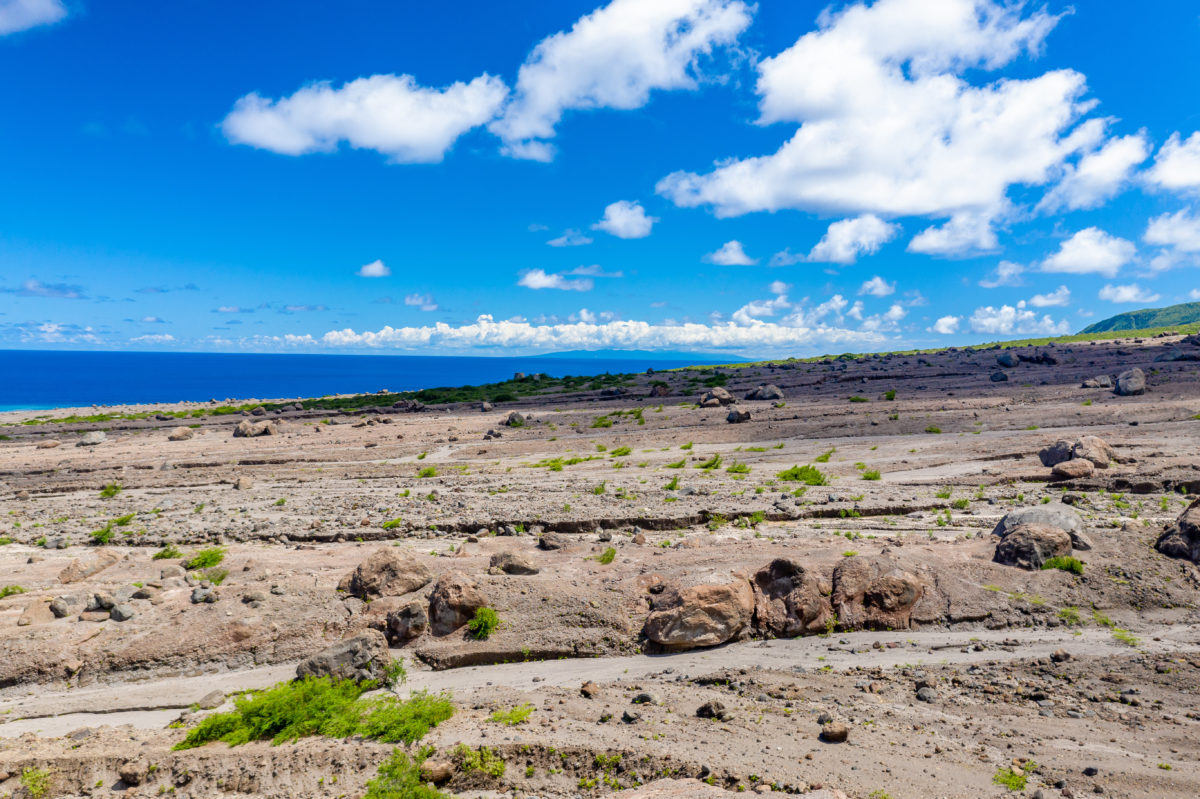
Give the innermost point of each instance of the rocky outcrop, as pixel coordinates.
(386, 572)
(511, 563)
(1055, 453)
(766, 391)
(736, 416)
(874, 593)
(92, 439)
(1131, 383)
(1094, 449)
(1028, 546)
(1182, 539)
(454, 600)
(1099, 381)
(702, 615)
(407, 623)
(82, 568)
(1007, 359)
(716, 397)
(249, 429)
(1072, 469)
(363, 657)
(1054, 515)
(790, 600)
(180, 434)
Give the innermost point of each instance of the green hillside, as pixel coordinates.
(1182, 314)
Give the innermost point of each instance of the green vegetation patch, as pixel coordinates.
(807, 474)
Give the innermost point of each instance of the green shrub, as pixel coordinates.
(5, 540)
(607, 556)
(123, 521)
(169, 552)
(711, 463)
(672, 485)
(481, 759)
(428, 471)
(400, 778)
(807, 474)
(890, 394)
(602, 421)
(857, 398)
(1066, 564)
(871, 474)
(10, 590)
(825, 456)
(279, 503)
(103, 535)
(109, 491)
(511, 718)
(37, 782)
(620, 452)
(216, 576)
(205, 558)
(321, 706)
(483, 624)
(961, 503)
(677, 464)
(933, 429)
(392, 524)
(1010, 779)
(738, 468)
(394, 673)
(600, 489)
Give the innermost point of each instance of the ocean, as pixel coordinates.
(35, 379)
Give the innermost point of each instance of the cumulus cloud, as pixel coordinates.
(1007, 320)
(1098, 176)
(21, 15)
(1007, 274)
(376, 268)
(620, 334)
(57, 333)
(779, 287)
(540, 279)
(594, 270)
(1127, 294)
(626, 220)
(153, 338)
(1057, 298)
(946, 325)
(752, 312)
(570, 238)
(1091, 251)
(613, 58)
(844, 241)
(1177, 164)
(36, 288)
(888, 124)
(730, 254)
(1194, 294)
(877, 287)
(1178, 235)
(423, 301)
(391, 114)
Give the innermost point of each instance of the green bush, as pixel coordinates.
(481, 759)
(392, 524)
(428, 471)
(510, 718)
(738, 468)
(37, 782)
(169, 552)
(933, 429)
(103, 535)
(620, 452)
(825, 456)
(809, 475)
(1066, 564)
(607, 556)
(215, 576)
(857, 398)
(890, 394)
(109, 491)
(205, 558)
(602, 421)
(10, 590)
(400, 778)
(711, 463)
(872, 474)
(483, 624)
(321, 706)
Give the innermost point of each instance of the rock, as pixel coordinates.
(243, 484)
(437, 771)
(874, 593)
(767, 391)
(927, 694)
(1054, 514)
(716, 396)
(589, 690)
(82, 568)
(1099, 381)
(659, 390)
(36, 612)
(553, 541)
(201, 595)
(64, 606)
(388, 571)
(515, 419)
(102, 600)
(485, 406)
(453, 603)
(1007, 360)
(834, 732)
(49, 443)
(512, 563)
(212, 700)
(1094, 449)
(180, 434)
(702, 615)
(999, 377)
(407, 623)
(644, 698)
(133, 772)
(363, 657)
(789, 600)
(122, 612)
(1060, 656)
(1182, 539)
(249, 429)
(1056, 453)
(1028, 546)
(1073, 469)
(168, 572)
(736, 416)
(1131, 383)
(631, 716)
(713, 710)
(92, 439)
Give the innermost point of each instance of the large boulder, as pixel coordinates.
(512, 563)
(407, 623)
(716, 396)
(702, 615)
(1055, 514)
(766, 391)
(874, 593)
(82, 568)
(1056, 453)
(1072, 469)
(363, 657)
(736, 416)
(1099, 381)
(1007, 359)
(790, 600)
(92, 439)
(453, 603)
(1131, 383)
(1094, 449)
(180, 434)
(1028, 546)
(1182, 539)
(249, 429)
(386, 572)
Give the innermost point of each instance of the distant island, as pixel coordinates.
(1182, 314)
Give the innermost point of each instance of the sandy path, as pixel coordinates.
(154, 704)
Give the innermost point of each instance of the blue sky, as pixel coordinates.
(502, 178)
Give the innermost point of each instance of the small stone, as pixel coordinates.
(835, 733)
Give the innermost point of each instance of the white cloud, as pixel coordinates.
(485, 332)
(391, 114)
(1057, 298)
(1091, 251)
(730, 254)
(1179, 236)
(1127, 294)
(1194, 294)
(376, 268)
(946, 325)
(786, 257)
(889, 321)
(20, 15)
(613, 58)
(888, 124)
(1007, 274)
(229, 309)
(626, 220)
(154, 338)
(594, 270)
(1098, 176)
(844, 241)
(151, 320)
(540, 279)
(779, 287)
(423, 301)
(1008, 320)
(570, 238)
(877, 287)
(751, 312)
(1177, 165)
